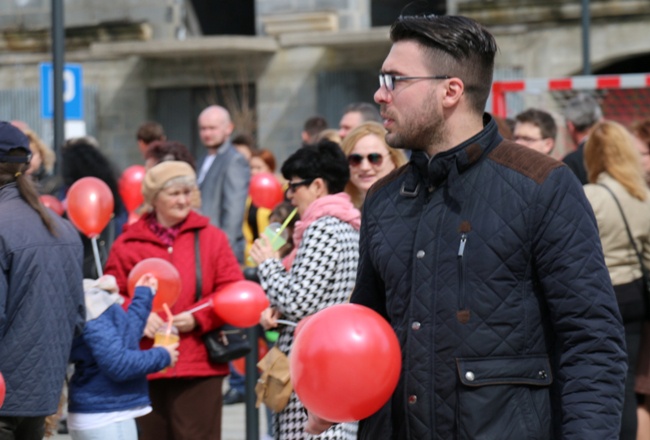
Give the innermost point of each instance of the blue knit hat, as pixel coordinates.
(12, 138)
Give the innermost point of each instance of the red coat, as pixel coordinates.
(219, 268)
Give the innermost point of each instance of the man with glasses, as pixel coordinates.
(536, 129)
(484, 257)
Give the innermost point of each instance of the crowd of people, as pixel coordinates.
(515, 283)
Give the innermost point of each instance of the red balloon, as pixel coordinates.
(169, 281)
(345, 363)
(53, 203)
(3, 390)
(130, 186)
(240, 303)
(265, 191)
(133, 217)
(239, 365)
(90, 205)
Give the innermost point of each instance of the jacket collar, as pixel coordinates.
(451, 163)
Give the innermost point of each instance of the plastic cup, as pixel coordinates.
(166, 336)
(271, 232)
(277, 241)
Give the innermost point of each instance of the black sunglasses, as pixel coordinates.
(293, 186)
(375, 159)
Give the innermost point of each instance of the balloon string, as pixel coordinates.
(285, 322)
(98, 261)
(284, 225)
(168, 331)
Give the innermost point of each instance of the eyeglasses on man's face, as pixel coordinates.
(293, 186)
(374, 159)
(388, 80)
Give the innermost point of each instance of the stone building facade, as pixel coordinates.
(149, 59)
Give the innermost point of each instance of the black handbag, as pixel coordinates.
(645, 274)
(227, 342)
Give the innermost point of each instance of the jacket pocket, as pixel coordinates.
(504, 398)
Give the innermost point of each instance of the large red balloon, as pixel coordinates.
(169, 281)
(240, 303)
(265, 191)
(345, 363)
(90, 205)
(53, 203)
(130, 186)
(3, 390)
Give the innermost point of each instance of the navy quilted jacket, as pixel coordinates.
(41, 305)
(110, 369)
(487, 263)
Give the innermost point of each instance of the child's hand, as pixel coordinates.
(173, 353)
(148, 280)
(154, 322)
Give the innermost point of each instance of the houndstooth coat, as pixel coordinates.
(323, 274)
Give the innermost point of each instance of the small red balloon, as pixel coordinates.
(3, 389)
(239, 365)
(90, 205)
(130, 186)
(265, 191)
(169, 281)
(53, 203)
(331, 359)
(240, 303)
(133, 217)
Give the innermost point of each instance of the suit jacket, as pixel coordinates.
(223, 195)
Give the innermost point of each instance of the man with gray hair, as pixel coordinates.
(356, 114)
(581, 113)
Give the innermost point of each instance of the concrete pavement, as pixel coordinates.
(233, 426)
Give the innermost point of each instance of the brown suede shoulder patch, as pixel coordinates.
(522, 159)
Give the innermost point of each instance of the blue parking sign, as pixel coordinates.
(72, 91)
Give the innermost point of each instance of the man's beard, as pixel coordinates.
(422, 133)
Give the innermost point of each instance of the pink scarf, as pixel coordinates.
(334, 205)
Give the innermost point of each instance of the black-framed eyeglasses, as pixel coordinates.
(375, 159)
(388, 80)
(293, 186)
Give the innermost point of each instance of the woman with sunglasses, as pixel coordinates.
(370, 159)
(321, 269)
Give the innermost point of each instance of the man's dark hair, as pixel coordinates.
(244, 139)
(541, 119)
(150, 131)
(368, 111)
(314, 125)
(162, 151)
(457, 46)
(325, 160)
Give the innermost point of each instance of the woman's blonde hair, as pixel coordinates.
(368, 128)
(609, 149)
(36, 144)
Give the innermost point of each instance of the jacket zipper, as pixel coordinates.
(461, 271)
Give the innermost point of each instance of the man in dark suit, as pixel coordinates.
(581, 113)
(224, 176)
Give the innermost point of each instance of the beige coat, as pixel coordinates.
(622, 262)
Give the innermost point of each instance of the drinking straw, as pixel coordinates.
(284, 225)
(168, 312)
(285, 322)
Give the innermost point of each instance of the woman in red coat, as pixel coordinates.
(187, 398)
